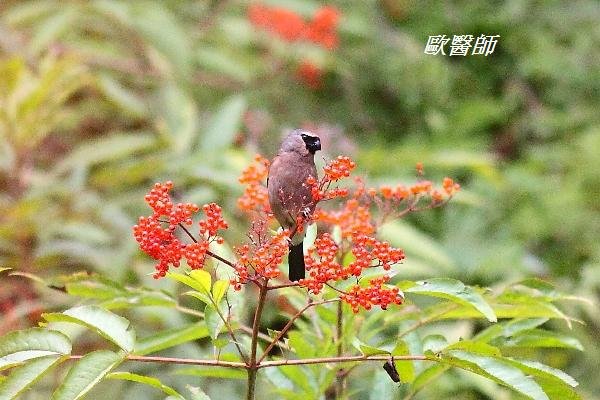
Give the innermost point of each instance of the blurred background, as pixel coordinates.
(100, 99)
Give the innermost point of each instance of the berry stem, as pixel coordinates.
(208, 252)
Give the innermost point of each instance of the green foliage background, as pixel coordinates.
(100, 99)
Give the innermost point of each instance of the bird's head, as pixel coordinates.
(301, 141)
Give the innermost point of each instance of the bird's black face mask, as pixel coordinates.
(313, 143)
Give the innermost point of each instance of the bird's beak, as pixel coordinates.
(313, 144)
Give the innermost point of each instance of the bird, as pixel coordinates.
(289, 194)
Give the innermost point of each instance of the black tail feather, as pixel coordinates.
(296, 262)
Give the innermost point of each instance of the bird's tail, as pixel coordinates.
(296, 262)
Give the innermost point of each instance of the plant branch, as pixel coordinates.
(182, 361)
(289, 325)
(208, 252)
(252, 364)
(343, 359)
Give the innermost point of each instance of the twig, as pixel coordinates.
(176, 360)
(344, 359)
(252, 364)
(289, 325)
(208, 252)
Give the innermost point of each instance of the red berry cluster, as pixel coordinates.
(335, 170)
(291, 27)
(255, 196)
(353, 218)
(339, 168)
(214, 220)
(366, 248)
(323, 267)
(157, 237)
(376, 294)
(321, 264)
(263, 260)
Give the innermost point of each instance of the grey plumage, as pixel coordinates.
(289, 195)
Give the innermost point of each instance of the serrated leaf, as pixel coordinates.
(541, 338)
(146, 380)
(22, 378)
(86, 373)
(203, 278)
(107, 324)
(187, 280)
(170, 338)
(200, 296)
(455, 291)
(475, 347)
(539, 369)
(19, 346)
(498, 370)
(219, 289)
(224, 125)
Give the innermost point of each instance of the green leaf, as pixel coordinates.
(19, 346)
(302, 348)
(498, 370)
(539, 369)
(214, 322)
(541, 338)
(22, 378)
(107, 148)
(165, 33)
(224, 125)
(203, 278)
(434, 343)
(405, 368)
(200, 296)
(417, 244)
(219, 289)
(367, 350)
(86, 373)
(179, 117)
(124, 98)
(2, 269)
(146, 380)
(214, 372)
(187, 280)
(455, 291)
(111, 326)
(170, 338)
